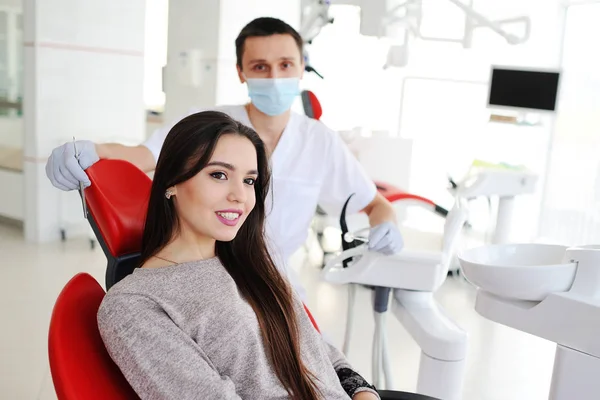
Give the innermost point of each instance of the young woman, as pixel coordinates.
(208, 315)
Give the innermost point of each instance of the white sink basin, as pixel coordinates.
(518, 271)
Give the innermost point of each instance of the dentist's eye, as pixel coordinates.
(250, 181)
(219, 175)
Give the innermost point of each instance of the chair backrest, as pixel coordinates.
(117, 202)
(311, 105)
(81, 367)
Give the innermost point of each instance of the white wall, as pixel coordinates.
(83, 77)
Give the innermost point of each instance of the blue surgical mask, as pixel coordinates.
(273, 96)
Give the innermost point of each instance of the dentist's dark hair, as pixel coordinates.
(261, 27)
(187, 149)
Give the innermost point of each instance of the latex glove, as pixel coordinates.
(65, 171)
(385, 238)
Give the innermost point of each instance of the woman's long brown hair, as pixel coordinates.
(187, 149)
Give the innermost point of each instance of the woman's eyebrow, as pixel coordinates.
(229, 166)
(221, 164)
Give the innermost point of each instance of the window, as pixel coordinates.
(571, 210)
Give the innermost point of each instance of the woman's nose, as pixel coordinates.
(237, 193)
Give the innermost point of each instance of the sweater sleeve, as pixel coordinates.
(351, 381)
(156, 357)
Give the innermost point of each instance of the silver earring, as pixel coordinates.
(168, 194)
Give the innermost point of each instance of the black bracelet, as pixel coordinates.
(351, 381)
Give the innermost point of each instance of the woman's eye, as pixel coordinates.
(287, 65)
(250, 181)
(218, 175)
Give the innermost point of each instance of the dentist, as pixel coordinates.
(310, 164)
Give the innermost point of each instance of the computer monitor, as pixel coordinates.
(525, 89)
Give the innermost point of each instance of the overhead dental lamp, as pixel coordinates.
(401, 21)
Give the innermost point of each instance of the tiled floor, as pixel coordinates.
(503, 364)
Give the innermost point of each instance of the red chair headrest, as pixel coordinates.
(312, 106)
(117, 200)
(80, 365)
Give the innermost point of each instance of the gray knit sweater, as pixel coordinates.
(184, 332)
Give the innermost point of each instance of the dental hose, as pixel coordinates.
(381, 359)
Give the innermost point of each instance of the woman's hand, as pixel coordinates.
(365, 396)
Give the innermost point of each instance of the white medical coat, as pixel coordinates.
(310, 166)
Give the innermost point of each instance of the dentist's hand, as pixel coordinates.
(385, 238)
(365, 396)
(65, 171)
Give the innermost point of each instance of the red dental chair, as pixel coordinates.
(80, 366)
